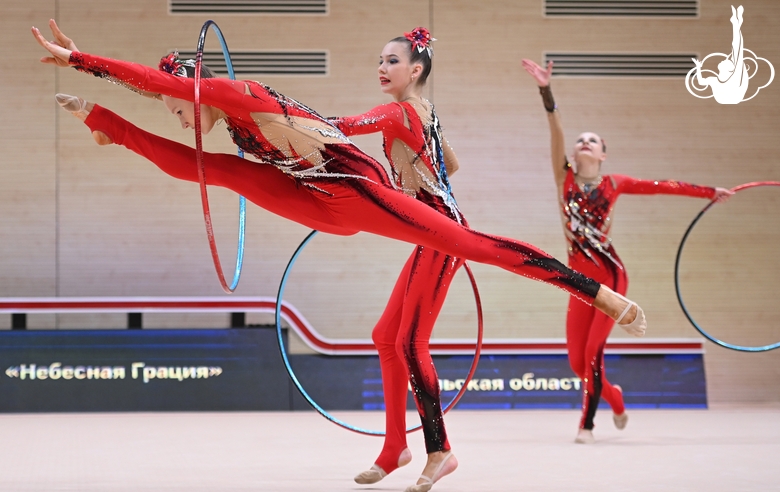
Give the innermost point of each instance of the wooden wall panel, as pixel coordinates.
(83, 220)
(28, 161)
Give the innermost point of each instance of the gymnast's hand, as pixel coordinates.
(60, 49)
(541, 75)
(722, 194)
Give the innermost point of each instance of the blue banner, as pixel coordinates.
(240, 369)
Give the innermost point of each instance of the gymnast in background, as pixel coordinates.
(586, 198)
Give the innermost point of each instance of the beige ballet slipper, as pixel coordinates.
(80, 108)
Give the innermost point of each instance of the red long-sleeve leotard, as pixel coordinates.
(418, 159)
(587, 215)
(587, 221)
(417, 151)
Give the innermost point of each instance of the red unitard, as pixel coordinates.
(418, 154)
(586, 214)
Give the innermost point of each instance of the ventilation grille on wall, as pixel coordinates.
(249, 7)
(621, 65)
(265, 62)
(640, 8)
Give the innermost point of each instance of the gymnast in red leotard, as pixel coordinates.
(307, 170)
(421, 161)
(586, 197)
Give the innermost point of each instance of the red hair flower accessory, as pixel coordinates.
(421, 39)
(172, 65)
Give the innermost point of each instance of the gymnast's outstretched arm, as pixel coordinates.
(217, 92)
(629, 185)
(557, 145)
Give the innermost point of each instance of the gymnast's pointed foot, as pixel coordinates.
(620, 419)
(637, 326)
(80, 108)
(76, 105)
(372, 475)
(439, 464)
(377, 473)
(585, 436)
(626, 313)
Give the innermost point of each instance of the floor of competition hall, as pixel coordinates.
(725, 448)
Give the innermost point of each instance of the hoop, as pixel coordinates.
(711, 338)
(313, 403)
(204, 197)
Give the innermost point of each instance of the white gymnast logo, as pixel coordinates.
(730, 84)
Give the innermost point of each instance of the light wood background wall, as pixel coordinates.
(83, 220)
